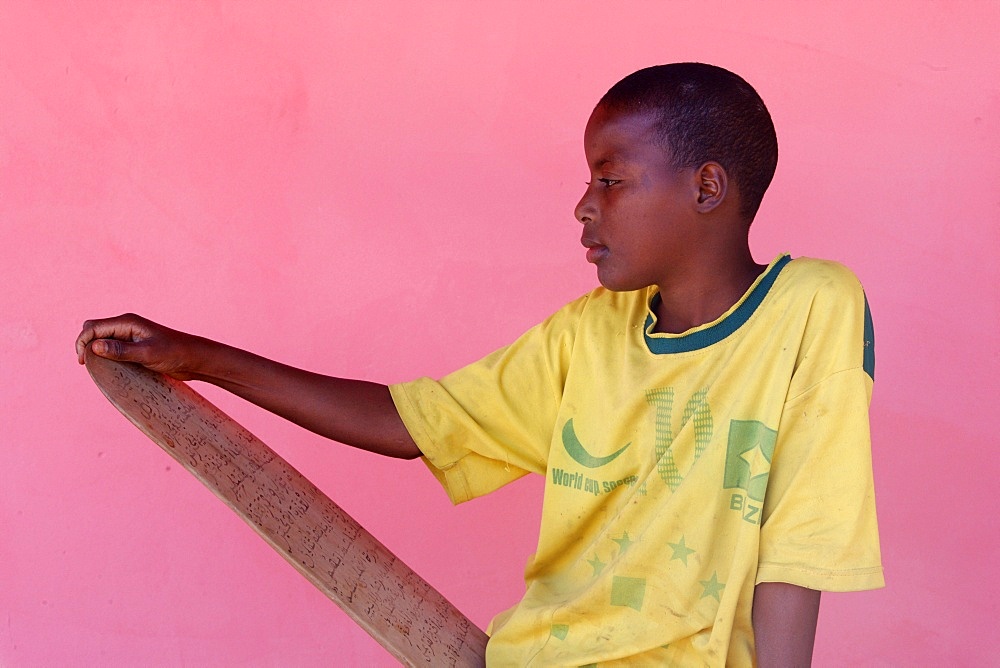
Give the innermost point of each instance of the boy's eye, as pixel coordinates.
(607, 182)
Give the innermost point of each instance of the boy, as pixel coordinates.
(701, 420)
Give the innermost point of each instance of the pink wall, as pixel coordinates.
(387, 191)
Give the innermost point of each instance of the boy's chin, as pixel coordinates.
(619, 283)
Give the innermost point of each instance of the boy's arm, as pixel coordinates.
(784, 624)
(358, 413)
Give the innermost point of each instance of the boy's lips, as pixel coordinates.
(596, 251)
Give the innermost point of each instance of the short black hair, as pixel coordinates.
(705, 113)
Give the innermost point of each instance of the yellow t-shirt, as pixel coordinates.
(681, 470)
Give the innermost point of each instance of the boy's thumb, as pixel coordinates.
(111, 348)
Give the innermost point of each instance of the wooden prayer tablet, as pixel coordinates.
(400, 610)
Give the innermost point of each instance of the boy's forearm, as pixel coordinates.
(784, 624)
(357, 413)
(354, 412)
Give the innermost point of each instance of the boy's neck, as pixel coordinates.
(705, 291)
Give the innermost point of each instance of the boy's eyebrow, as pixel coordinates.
(614, 157)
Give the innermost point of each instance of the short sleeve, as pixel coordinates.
(491, 422)
(819, 528)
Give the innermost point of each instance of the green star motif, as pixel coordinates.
(681, 551)
(597, 565)
(756, 465)
(624, 542)
(712, 587)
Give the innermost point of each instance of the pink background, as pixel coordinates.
(385, 190)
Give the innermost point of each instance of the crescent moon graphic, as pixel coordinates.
(575, 449)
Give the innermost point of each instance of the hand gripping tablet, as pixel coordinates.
(400, 610)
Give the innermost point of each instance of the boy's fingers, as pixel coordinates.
(88, 332)
(126, 328)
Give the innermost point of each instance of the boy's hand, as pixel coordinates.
(130, 338)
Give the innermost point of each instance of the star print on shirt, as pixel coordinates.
(597, 565)
(624, 542)
(748, 457)
(757, 459)
(712, 587)
(680, 551)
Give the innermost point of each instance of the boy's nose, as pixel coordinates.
(585, 211)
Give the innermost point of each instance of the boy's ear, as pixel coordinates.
(713, 184)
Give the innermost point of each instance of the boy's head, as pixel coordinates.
(705, 113)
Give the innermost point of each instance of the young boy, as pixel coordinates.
(701, 420)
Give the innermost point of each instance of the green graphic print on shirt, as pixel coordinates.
(662, 401)
(748, 463)
(750, 446)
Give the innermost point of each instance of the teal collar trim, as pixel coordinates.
(702, 338)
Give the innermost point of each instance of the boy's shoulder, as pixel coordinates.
(816, 272)
(817, 282)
